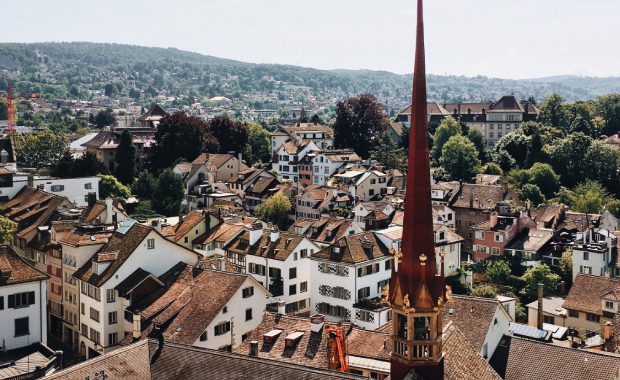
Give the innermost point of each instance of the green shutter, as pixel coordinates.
(31, 298)
(11, 301)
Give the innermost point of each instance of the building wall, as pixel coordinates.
(156, 261)
(532, 318)
(496, 331)
(465, 218)
(36, 313)
(236, 310)
(489, 243)
(596, 261)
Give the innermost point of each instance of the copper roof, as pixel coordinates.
(586, 291)
(14, 269)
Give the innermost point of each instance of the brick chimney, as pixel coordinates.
(540, 306)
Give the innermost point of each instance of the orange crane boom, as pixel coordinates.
(337, 349)
(10, 104)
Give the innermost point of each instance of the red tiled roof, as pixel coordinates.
(14, 269)
(354, 249)
(586, 291)
(189, 222)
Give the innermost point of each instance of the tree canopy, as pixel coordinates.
(448, 128)
(459, 158)
(111, 187)
(275, 210)
(232, 135)
(39, 149)
(168, 193)
(125, 159)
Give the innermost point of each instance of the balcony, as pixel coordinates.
(416, 351)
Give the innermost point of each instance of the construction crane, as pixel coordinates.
(10, 106)
(337, 350)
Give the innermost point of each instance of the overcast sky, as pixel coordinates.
(495, 38)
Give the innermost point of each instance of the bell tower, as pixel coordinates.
(416, 292)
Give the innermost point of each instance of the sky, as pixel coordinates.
(495, 38)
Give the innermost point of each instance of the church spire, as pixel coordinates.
(416, 289)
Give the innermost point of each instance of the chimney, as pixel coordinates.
(608, 330)
(563, 287)
(5, 157)
(92, 199)
(469, 111)
(156, 224)
(455, 110)
(160, 346)
(281, 307)
(316, 322)
(109, 202)
(493, 219)
(30, 180)
(254, 348)
(299, 139)
(240, 157)
(484, 111)
(41, 187)
(275, 234)
(540, 306)
(256, 232)
(137, 326)
(115, 221)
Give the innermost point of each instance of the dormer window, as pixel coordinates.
(609, 305)
(442, 235)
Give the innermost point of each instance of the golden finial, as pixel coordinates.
(384, 300)
(406, 301)
(448, 294)
(442, 253)
(398, 255)
(423, 259)
(392, 251)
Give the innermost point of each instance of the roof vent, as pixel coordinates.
(291, 340)
(271, 336)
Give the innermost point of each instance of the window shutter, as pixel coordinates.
(1, 303)
(11, 301)
(581, 269)
(359, 272)
(49, 269)
(251, 292)
(227, 326)
(474, 247)
(377, 267)
(590, 270)
(501, 238)
(216, 330)
(252, 267)
(487, 249)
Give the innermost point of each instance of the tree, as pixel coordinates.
(568, 158)
(104, 118)
(88, 165)
(388, 153)
(359, 124)
(144, 208)
(273, 125)
(4, 115)
(180, 135)
(602, 165)
(485, 291)
(110, 90)
(232, 135)
(591, 197)
(566, 266)
(608, 108)
(39, 149)
(504, 160)
(499, 272)
(475, 136)
(531, 192)
(303, 116)
(539, 274)
(459, 158)
(448, 128)
(515, 144)
(260, 144)
(534, 150)
(491, 168)
(7, 228)
(110, 187)
(64, 167)
(553, 113)
(582, 125)
(275, 210)
(543, 176)
(144, 185)
(126, 159)
(91, 119)
(168, 193)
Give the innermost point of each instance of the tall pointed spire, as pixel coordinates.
(416, 289)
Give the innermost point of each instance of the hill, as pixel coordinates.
(71, 70)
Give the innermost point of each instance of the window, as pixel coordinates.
(112, 339)
(248, 314)
(366, 316)
(248, 292)
(388, 264)
(150, 243)
(95, 336)
(303, 287)
(222, 328)
(186, 239)
(381, 284)
(112, 318)
(586, 255)
(608, 305)
(593, 317)
(573, 313)
(294, 256)
(292, 290)
(371, 191)
(18, 300)
(57, 188)
(442, 235)
(88, 186)
(128, 316)
(94, 314)
(499, 237)
(110, 295)
(203, 336)
(495, 251)
(549, 319)
(471, 223)
(257, 269)
(225, 310)
(22, 326)
(292, 273)
(84, 330)
(304, 253)
(83, 309)
(1, 303)
(363, 293)
(458, 222)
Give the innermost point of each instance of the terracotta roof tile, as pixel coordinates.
(64, 225)
(369, 344)
(586, 291)
(189, 222)
(462, 359)
(264, 247)
(480, 194)
(14, 269)
(77, 238)
(221, 233)
(354, 248)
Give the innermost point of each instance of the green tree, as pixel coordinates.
(485, 291)
(88, 165)
(273, 125)
(566, 266)
(39, 149)
(531, 192)
(459, 158)
(499, 272)
(64, 167)
(144, 208)
(553, 113)
(144, 185)
(168, 193)
(260, 143)
(4, 115)
(602, 165)
(591, 197)
(180, 135)
(492, 168)
(126, 159)
(359, 124)
(539, 274)
(388, 153)
(515, 144)
(275, 210)
(543, 176)
(7, 229)
(475, 136)
(448, 128)
(582, 125)
(568, 158)
(608, 108)
(534, 150)
(111, 187)
(504, 160)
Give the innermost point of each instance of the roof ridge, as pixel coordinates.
(594, 352)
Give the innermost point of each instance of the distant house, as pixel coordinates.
(395, 129)
(152, 117)
(365, 186)
(322, 136)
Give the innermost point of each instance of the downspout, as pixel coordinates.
(41, 310)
